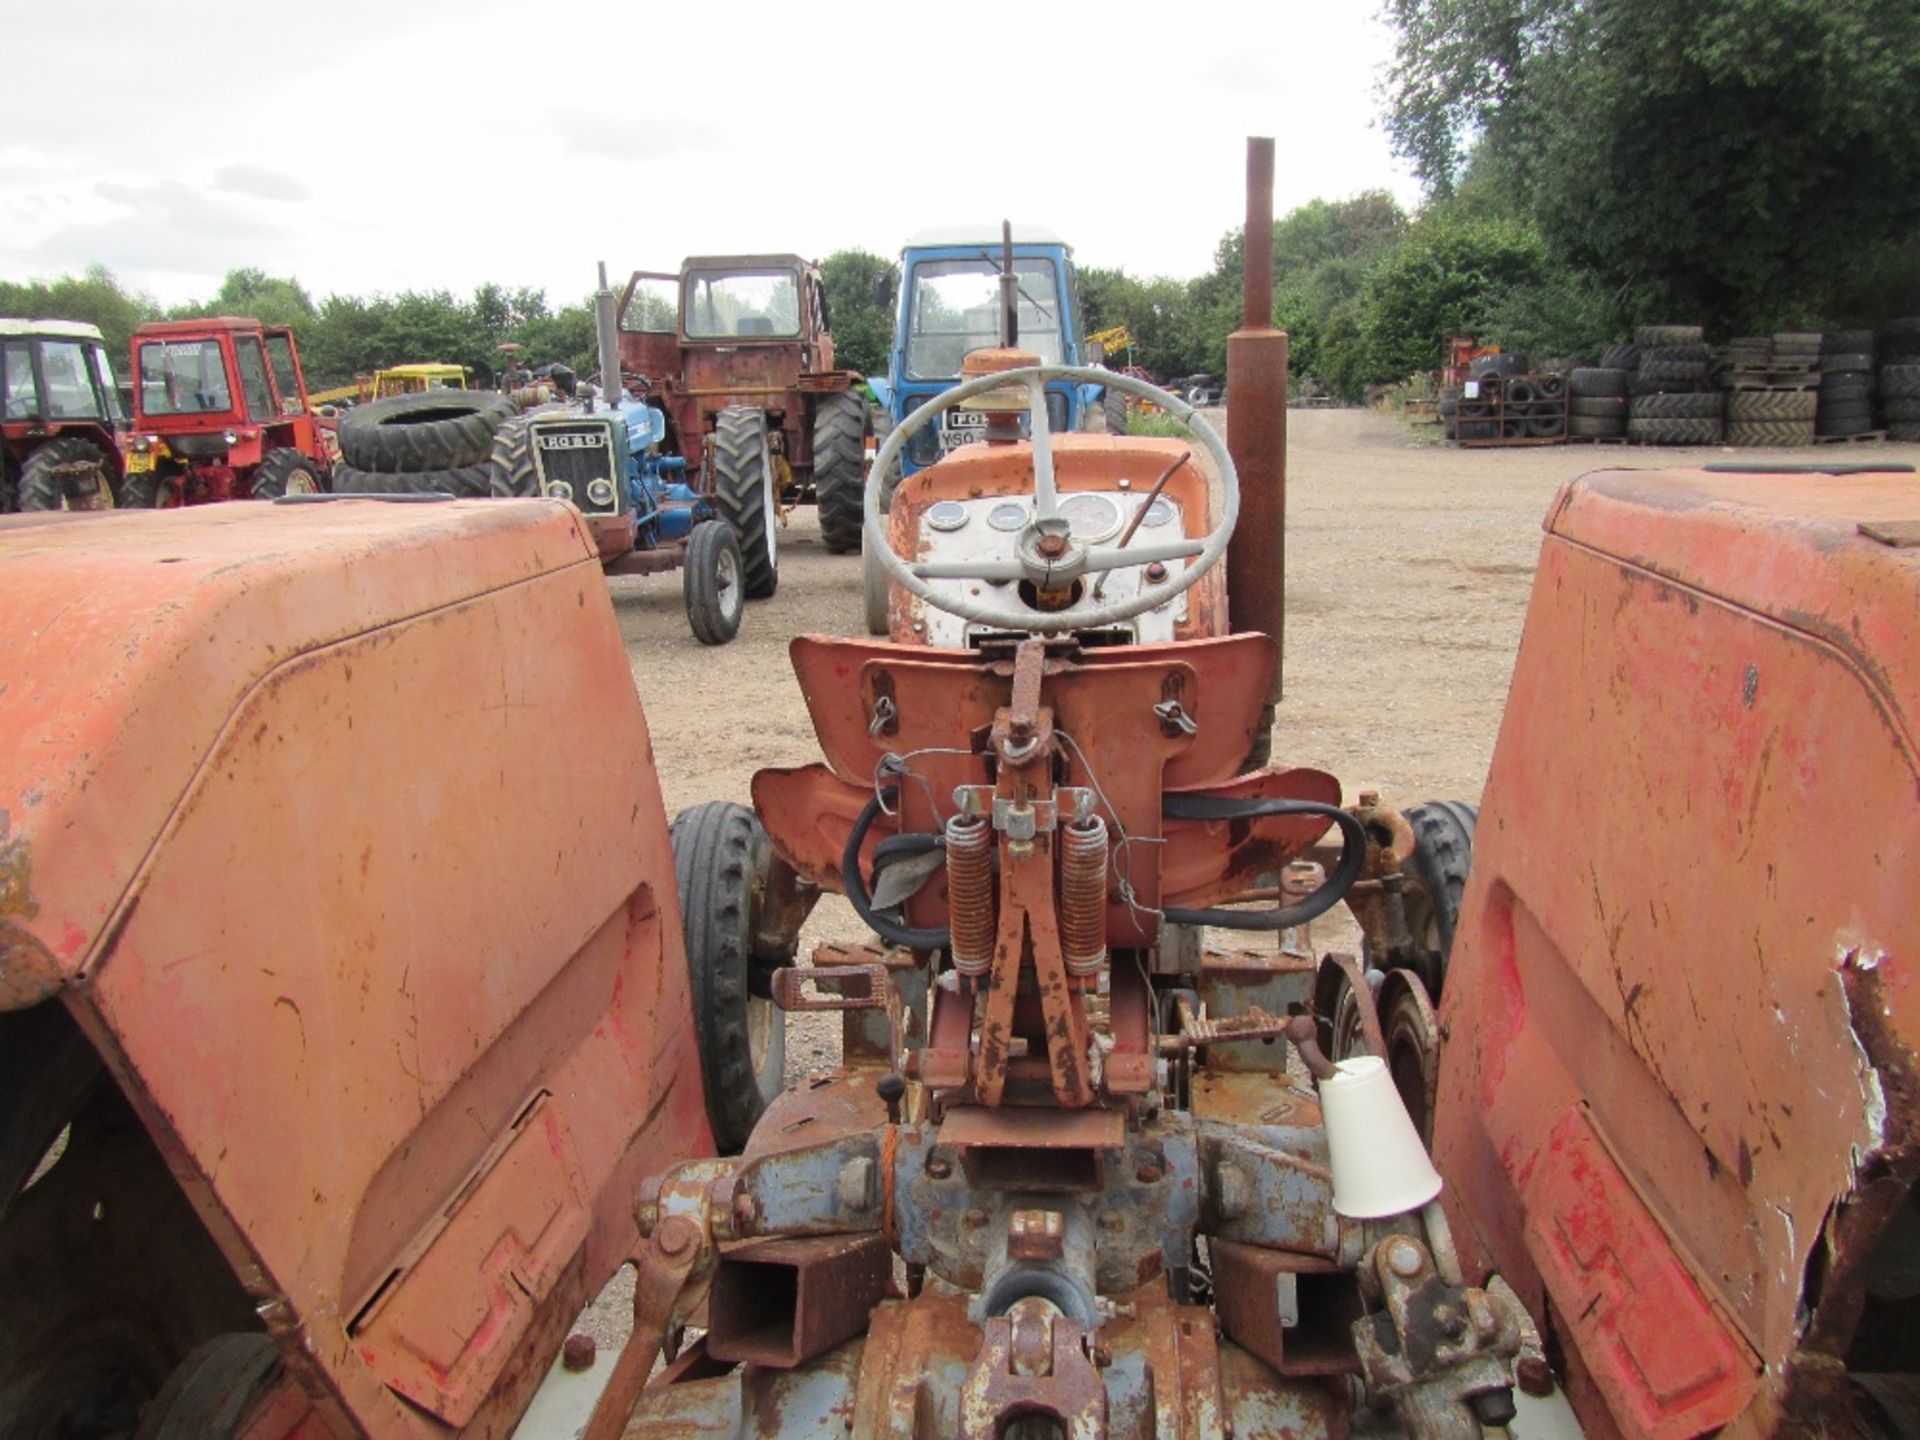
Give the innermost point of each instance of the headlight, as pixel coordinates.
(559, 490)
(600, 491)
(231, 438)
(142, 444)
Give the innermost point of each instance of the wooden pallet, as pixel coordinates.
(1865, 437)
(1500, 440)
(1770, 380)
(1596, 439)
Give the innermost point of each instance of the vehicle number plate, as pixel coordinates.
(962, 427)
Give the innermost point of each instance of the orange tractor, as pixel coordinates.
(349, 1159)
(220, 412)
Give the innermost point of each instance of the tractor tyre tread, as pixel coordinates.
(40, 489)
(276, 472)
(1692, 405)
(1441, 861)
(744, 494)
(839, 458)
(1751, 405)
(1676, 432)
(426, 430)
(1771, 434)
(720, 856)
(712, 614)
(511, 473)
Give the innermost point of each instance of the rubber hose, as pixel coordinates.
(910, 937)
(1353, 855)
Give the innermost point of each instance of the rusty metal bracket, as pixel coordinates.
(673, 1250)
(872, 989)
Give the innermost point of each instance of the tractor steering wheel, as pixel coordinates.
(1045, 551)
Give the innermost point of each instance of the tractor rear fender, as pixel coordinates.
(1677, 1106)
(336, 829)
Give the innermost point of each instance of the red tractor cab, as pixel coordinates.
(60, 417)
(220, 412)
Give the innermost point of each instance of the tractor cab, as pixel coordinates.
(60, 416)
(220, 413)
(948, 288)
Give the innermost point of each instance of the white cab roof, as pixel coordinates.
(65, 329)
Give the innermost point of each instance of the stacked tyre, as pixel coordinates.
(1670, 399)
(433, 442)
(1898, 354)
(1536, 407)
(1597, 403)
(1775, 417)
(1900, 389)
(1846, 384)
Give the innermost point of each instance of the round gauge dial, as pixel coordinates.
(1158, 513)
(1092, 518)
(1008, 515)
(947, 515)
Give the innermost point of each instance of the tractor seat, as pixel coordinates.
(753, 325)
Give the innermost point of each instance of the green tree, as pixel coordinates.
(862, 330)
(269, 299)
(1739, 162)
(1448, 277)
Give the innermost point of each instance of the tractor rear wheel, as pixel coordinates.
(1113, 407)
(511, 468)
(744, 493)
(1441, 860)
(839, 457)
(210, 1393)
(287, 472)
(67, 473)
(713, 583)
(108, 1279)
(721, 863)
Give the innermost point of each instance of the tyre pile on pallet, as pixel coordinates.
(1512, 404)
(1846, 385)
(1671, 396)
(434, 442)
(1598, 403)
(1900, 378)
(1773, 389)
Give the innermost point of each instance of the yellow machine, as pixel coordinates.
(396, 380)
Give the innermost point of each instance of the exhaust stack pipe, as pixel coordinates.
(1257, 429)
(606, 332)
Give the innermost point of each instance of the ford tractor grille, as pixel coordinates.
(576, 462)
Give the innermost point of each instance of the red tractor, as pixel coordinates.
(220, 412)
(60, 417)
(738, 351)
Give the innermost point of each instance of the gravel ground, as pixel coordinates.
(1408, 566)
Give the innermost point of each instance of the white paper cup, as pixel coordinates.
(1380, 1167)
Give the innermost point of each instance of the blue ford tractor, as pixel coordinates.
(952, 300)
(604, 457)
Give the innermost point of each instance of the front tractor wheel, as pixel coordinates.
(287, 471)
(715, 596)
(67, 474)
(744, 493)
(722, 861)
(839, 458)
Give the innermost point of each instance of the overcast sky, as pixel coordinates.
(383, 147)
